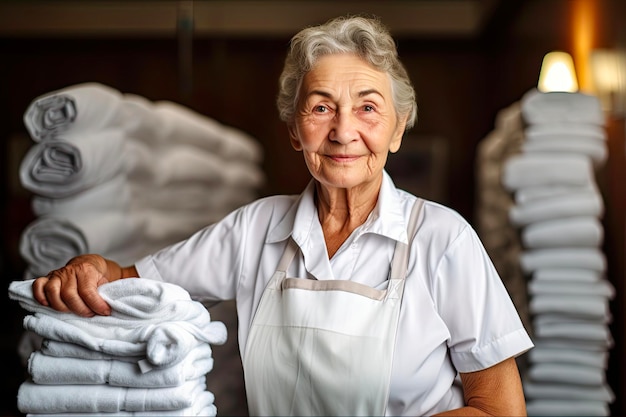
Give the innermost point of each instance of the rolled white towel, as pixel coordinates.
(112, 195)
(35, 398)
(531, 194)
(583, 204)
(586, 258)
(572, 231)
(561, 107)
(541, 169)
(184, 125)
(60, 169)
(567, 407)
(89, 107)
(48, 243)
(562, 130)
(596, 150)
(51, 370)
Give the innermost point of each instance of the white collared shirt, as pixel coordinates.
(456, 314)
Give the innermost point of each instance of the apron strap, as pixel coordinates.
(290, 251)
(400, 262)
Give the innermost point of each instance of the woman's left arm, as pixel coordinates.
(495, 391)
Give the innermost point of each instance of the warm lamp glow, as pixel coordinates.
(609, 78)
(557, 73)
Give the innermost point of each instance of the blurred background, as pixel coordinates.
(468, 59)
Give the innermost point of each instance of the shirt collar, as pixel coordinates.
(387, 218)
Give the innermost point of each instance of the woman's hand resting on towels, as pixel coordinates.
(74, 288)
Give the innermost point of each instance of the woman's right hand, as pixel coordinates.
(74, 287)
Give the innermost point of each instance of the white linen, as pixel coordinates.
(574, 331)
(567, 274)
(573, 354)
(540, 169)
(586, 258)
(596, 150)
(561, 107)
(567, 391)
(583, 306)
(36, 398)
(59, 349)
(574, 231)
(534, 193)
(550, 208)
(59, 169)
(560, 130)
(568, 373)
(50, 370)
(600, 287)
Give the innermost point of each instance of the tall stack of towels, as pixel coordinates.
(557, 210)
(123, 176)
(148, 358)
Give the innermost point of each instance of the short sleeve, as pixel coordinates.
(472, 300)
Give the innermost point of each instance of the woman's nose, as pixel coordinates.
(344, 127)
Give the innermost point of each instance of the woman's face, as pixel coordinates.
(345, 122)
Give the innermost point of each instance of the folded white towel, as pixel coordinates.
(574, 331)
(589, 204)
(561, 130)
(582, 306)
(573, 355)
(567, 407)
(567, 373)
(540, 169)
(60, 169)
(529, 194)
(564, 391)
(150, 318)
(573, 231)
(35, 398)
(600, 287)
(586, 258)
(186, 126)
(591, 346)
(53, 370)
(561, 107)
(596, 150)
(71, 350)
(567, 275)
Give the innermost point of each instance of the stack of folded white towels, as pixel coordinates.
(150, 357)
(558, 210)
(123, 176)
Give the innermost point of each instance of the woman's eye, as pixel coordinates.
(368, 108)
(321, 109)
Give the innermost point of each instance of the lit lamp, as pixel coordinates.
(608, 69)
(557, 73)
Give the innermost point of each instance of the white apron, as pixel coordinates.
(324, 348)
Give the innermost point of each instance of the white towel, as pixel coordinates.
(574, 355)
(590, 346)
(558, 130)
(596, 150)
(184, 125)
(48, 243)
(583, 306)
(567, 274)
(586, 258)
(53, 370)
(539, 169)
(35, 398)
(567, 373)
(150, 318)
(567, 407)
(71, 350)
(530, 194)
(550, 208)
(574, 331)
(567, 232)
(563, 391)
(600, 287)
(89, 107)
(112, 195)
(561, 107)
(60, 169)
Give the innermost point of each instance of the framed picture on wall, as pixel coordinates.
(421, 166)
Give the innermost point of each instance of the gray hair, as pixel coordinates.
(366, 37)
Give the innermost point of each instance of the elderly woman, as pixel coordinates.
(354, 297)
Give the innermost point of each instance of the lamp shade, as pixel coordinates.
(557, 73)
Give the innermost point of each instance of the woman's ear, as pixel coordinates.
(398, 134)
(293, 137)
